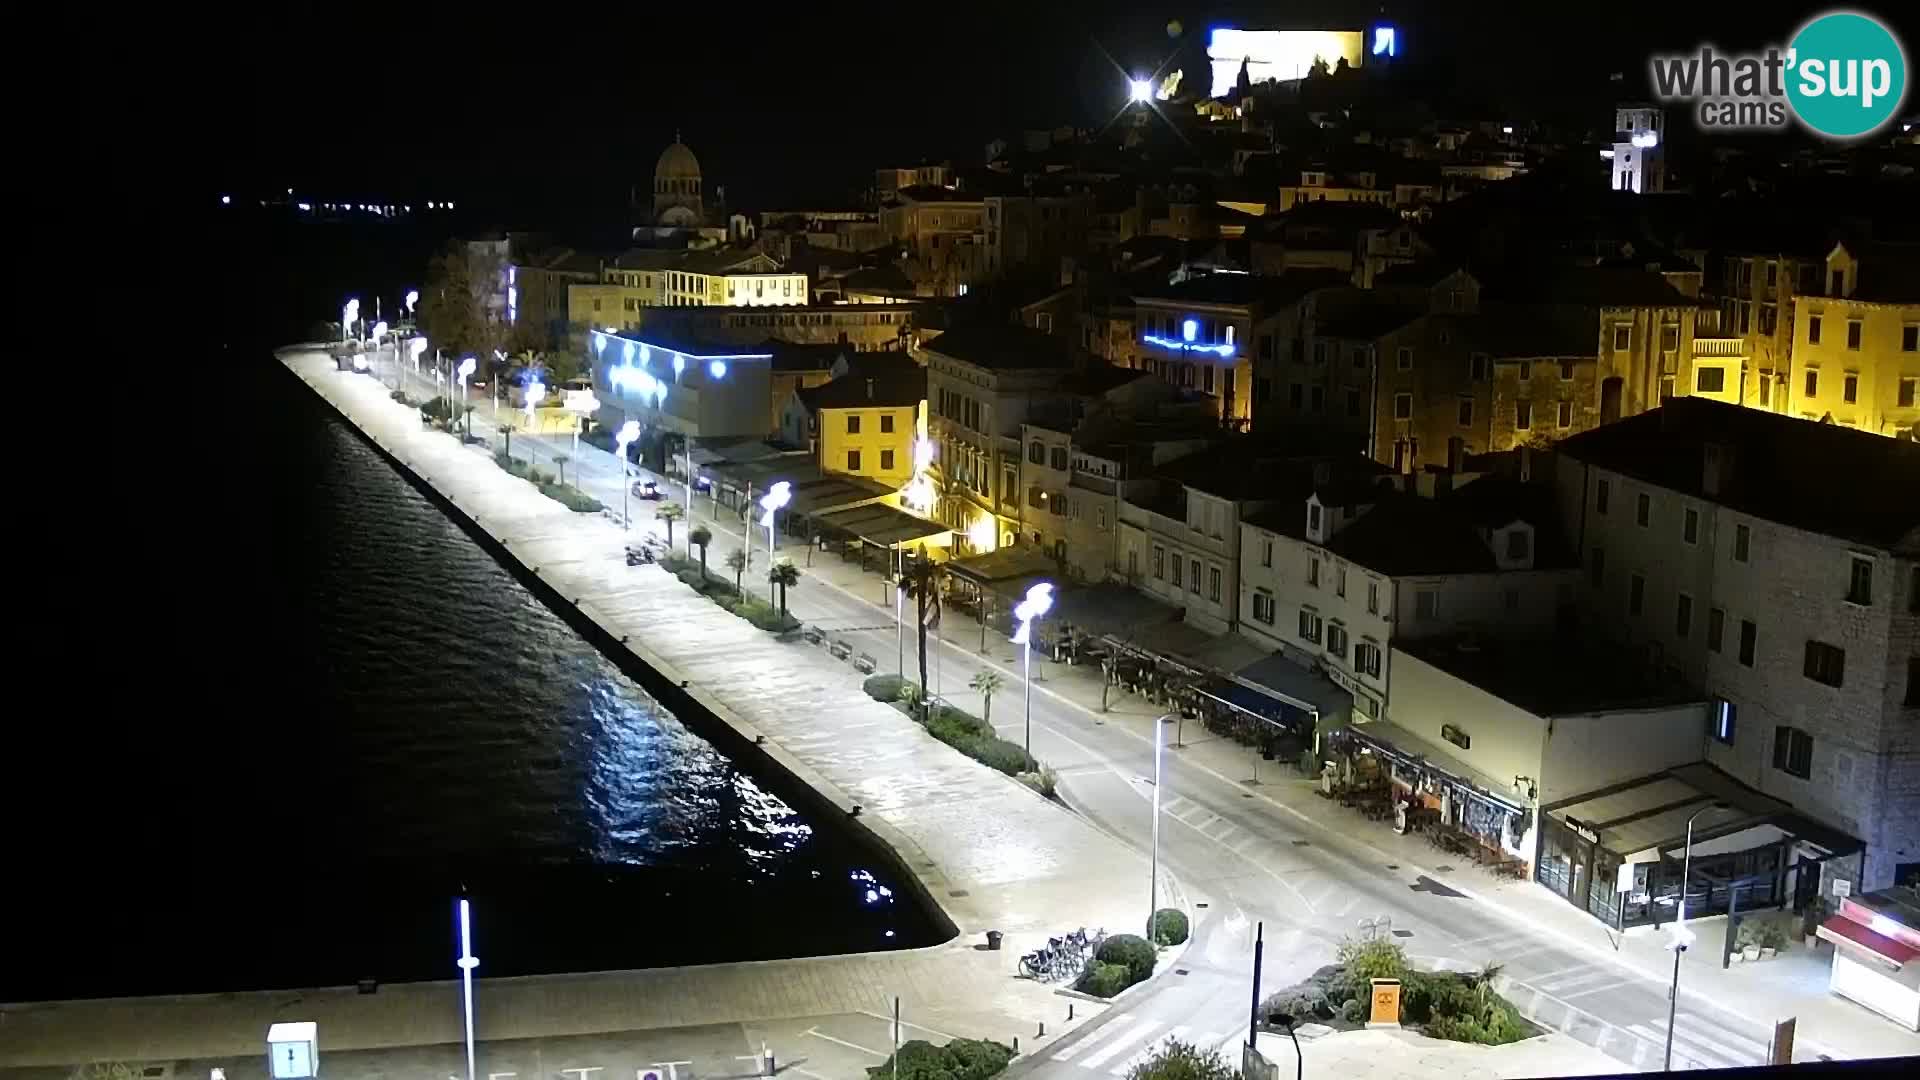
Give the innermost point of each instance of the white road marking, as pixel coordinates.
(1119, 1024)
(908, 1024)
(1177, 1032)
(853, 1046)
(1115, 1047)
(1735, 1056)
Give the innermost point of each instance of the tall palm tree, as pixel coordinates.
(507, 430)
(736, 562)
(670, 513)
(700, 536)
(920, 578)
(986, 683)
(560, 462)
(783, 574)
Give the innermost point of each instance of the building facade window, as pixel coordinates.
(1340, 581)
(1159, 562)
(1403, 406)
(886, 461)
(1366, 659)
(1309, 626)
(1337, 641)
(1263, 607)
(1825, 663)
(1597, 566)
(1690, 526)
(1749, 640)
(1813, 329)
(1853, 335)
(1193, 579)
(1710, 380)
(1860, 581)
(886, 423)
(1566, 415)
(1720, 713)
(853, 461)
(1466, 412)
(1213, 584)
(853, 423)
(1813, 382)
(1643, 510)
(1742, 543)
(1601, 491)
(1373, 597)
(1716, 628)
(1313, 571)
(1793, 751)
(1850, 388)
(1426, 605)
(1636, 594)
(1522, 415)
(1266, 553)
(1682, 616)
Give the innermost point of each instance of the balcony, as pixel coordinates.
(1720, 346)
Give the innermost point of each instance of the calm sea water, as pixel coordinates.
(391, 717)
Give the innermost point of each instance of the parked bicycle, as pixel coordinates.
(1063, 957)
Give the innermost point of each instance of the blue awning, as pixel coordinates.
(1262, 705)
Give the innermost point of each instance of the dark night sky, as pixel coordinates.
(801, 101)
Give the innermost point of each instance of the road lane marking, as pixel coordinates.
(1177, 1032)
(1119, 1024)
(1117, 1046)
(908, 1024)
(818, 1034)
(1734, 1056)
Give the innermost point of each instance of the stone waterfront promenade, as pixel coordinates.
(987, 851)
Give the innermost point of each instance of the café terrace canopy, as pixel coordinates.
(879, 525)
(1644, 819)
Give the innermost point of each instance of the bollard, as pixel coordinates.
(1069, 1012)
(1016, 1046)
(766, 1053)
(1042, 1033)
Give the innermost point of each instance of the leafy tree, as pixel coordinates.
(784, 574)
(1177, 1060)
(457, 303)
(670, 513)
(736, 562)
(986, 683)
(700, 536)
(1366, 960)
(920, 579)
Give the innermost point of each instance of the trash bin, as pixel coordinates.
(993, 941)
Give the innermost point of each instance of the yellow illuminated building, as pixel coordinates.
(869, 421)
(1856, 346)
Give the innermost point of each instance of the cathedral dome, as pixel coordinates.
(677, 163)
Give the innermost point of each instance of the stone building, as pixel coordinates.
(1773, 563)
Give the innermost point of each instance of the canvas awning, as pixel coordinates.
(882, 526)
(1410, 749)
(1650, 814)
(1841, 930)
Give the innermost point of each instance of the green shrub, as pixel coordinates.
(977, 1059)
(1131, 950)
(1168, 926)
(674, 562)
(1001, 755)
(1177, 1060)
(401, 397)
(503, 459)
(1307, 1001)
(883, 687)
(1354, 1011)
(961, 725)
(571, 497)
(1365, 961)
(1043, 780)
(691, 576)
(1102, 979)
(437, 408)
(961, 1059)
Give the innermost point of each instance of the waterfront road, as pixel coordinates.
(1267, 852)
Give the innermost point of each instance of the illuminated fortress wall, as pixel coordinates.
(1278, 54)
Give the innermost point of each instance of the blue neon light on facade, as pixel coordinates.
(1188, 346)
(1189, 329)
(1383, 41)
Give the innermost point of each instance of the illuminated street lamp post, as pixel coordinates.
(1028, 611)
(536, 392)
(1683, 937)
(1140, 91)
(776, 497)
(1153, 886)
(467, 364)
(629, 431)
(467, 962)
(348, 316)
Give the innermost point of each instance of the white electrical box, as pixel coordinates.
(293, 1051)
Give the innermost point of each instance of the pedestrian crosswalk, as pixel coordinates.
(1566, 1001)
(1128, 1041)
(1694, 1047)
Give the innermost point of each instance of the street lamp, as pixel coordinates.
(467, 962)
(628, 432)
(776, 497)
(413, 297)
(467, 364)
(1140, 90)
(1153, 886)
(536, 391)
(1028, 611)
(1683, 937)
(348, 316)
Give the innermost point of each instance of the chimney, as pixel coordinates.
(869, 389)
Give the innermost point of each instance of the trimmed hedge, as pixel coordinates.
(565, 494)
(975, 738)
(1168, 926)
(1104, 980)
(1131, 950)
(883, 687)
(961, 1059)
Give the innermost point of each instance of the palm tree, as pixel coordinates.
(920, 578)
(736, 562)
(669, 513)
(507, 431)
(560, 462)
(985, 683)
(700, 536)
(783, 574)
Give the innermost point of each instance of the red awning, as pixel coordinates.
(1840, 928)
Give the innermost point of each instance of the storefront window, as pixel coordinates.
(1564, 856)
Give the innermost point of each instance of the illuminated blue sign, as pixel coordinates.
(1383, 41)
(1188, 346)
